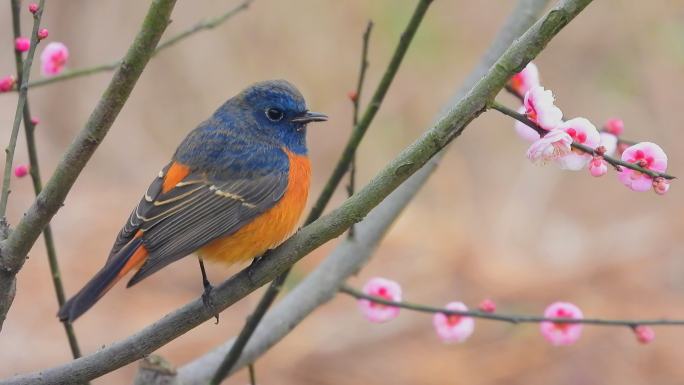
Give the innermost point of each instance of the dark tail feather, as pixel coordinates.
(102, 281)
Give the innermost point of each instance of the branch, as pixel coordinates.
(353, 210)
(510, 318)
(356, 98)
(351, 254)
(29, 130)
(615, 162)
(14, 249)
(23, 92)
(342, 165)
(201, 26)
(8, 284)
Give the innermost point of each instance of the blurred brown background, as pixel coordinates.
(488, 224)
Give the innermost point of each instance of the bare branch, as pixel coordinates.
(356, 100)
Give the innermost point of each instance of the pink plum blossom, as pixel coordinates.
(33, 8)
(453, 328)
(540, 109)
(661, 186)
(487, 306)
(53, 58)
(35, 120)
(561, 333)
(552, 146)
(383, 288)
(523, 130)
(644, 334)
(43, 33)
(609, 142)
(614, 126)
(21, 170)
(647, 155)
(7, 83)
(583, 132)
(22, 44)
(597, 166)
(525, 79)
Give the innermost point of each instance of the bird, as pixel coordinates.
(235, 187)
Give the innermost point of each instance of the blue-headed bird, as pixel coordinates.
(235, 188)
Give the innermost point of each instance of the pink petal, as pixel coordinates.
(523, 130)
(53, 58)
(383, 288)
(644, 334)
(615, 126)
(540, 109)
(453, 328)
(525, 79)
(561, 333)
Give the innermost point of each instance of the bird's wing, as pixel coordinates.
(197, 209)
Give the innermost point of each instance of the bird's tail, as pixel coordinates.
(130, 257)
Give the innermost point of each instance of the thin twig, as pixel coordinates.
(23, 92)
(510, 318)
(372, 109)
(356, 100)
(251, 324)
(327, 227)
(14, 249)
(323, 199)
(201, 26)
(34, 167)
(617, 163)
(252, 374)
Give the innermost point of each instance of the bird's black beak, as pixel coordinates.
(309, 117)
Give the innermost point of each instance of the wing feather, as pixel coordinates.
(198, 210)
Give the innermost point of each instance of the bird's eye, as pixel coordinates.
(274, 114)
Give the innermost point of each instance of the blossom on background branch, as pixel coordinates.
(558, 324)
(77, 73)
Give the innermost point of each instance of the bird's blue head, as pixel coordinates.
(278, 112)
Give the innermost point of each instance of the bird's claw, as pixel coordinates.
(208, 302)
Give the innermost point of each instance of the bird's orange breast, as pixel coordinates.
(272, 227)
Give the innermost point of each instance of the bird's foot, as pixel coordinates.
(255, 261)
(208, 302)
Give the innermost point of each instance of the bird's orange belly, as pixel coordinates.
(272, 227)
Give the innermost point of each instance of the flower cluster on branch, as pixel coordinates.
(576, 144)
